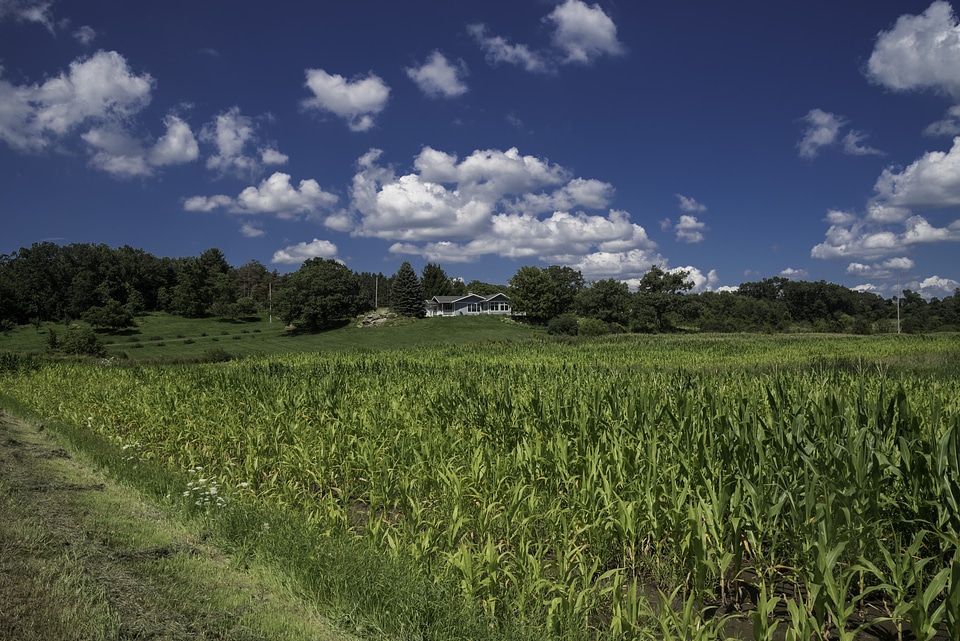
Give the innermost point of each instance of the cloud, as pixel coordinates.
(865, 239)
(491, 203)
(885, 269)
(822, 130)
(116, 152)
(177, 145)
(99, 89)
(689, 229)
(933, 180)
(274, 195)
(935, 285)
(356, 101)
(795, 274)
(497, 50)
(252, 230)
(949, 126)
(296, 254)
(690, 205)
(852, 146)
(34, 11)
(583, 33)
(231, 132)
(119, 153)
(273, 157)
(919, 52)
(438, 78)
(85, 35)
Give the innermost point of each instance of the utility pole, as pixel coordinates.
(270, 298)
(898, 304)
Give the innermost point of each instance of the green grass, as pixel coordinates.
(163, 337)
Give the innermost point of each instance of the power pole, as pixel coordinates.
(898, 304)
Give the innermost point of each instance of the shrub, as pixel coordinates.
(216, 355)
(564, 325)
(82, 341)
(592, 327)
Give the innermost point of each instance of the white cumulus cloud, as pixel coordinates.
(885, 269)
(933, 180)
(119, 153)
(689, 229)
(690, 205)
(492, 203)
(583, 33)
(96, 90)
(274, 195)
(919, 52)
(937, 286)
(177, 145)
(437, 77)
(296, 254)
(356, 101)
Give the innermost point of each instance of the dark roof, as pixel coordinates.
(456, 299)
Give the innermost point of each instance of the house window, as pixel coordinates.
(499, 307)
(473, 308)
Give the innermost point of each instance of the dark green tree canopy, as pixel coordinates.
(406, 293)
(319, 295)
(435, 282)
(607, 300)
(543, 294)
(111, 316)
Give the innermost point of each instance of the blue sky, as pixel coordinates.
(737, 140)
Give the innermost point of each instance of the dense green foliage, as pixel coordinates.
(561, 487)
(51, 283)
(321, 294)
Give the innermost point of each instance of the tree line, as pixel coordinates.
(108, 287)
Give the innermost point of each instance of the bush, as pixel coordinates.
(564, 325)
(216, 355)
(82, 341)
(593, 327)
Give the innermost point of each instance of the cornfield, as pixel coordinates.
(627, 487)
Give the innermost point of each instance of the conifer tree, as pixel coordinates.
(406, 294)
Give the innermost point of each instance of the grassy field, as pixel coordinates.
(630, 486)
(163, 337)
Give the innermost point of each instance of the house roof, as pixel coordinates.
(468, 297)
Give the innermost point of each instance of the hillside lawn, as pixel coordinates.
(162, 337)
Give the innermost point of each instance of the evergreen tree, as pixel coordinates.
(435, 282)
(406, 293)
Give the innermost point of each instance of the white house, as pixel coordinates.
(468, 304)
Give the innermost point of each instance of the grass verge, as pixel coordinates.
(85, 558)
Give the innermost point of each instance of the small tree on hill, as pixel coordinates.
(112, 316)
(406, 294)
